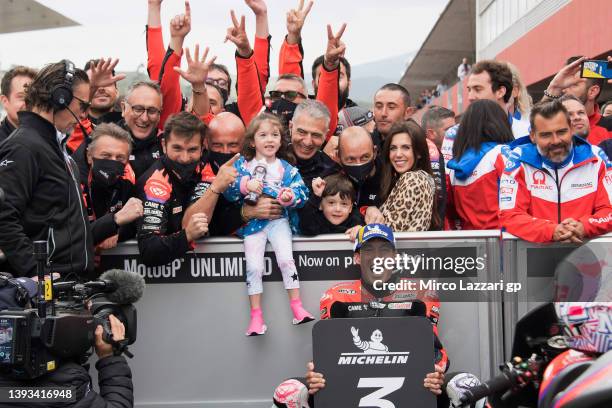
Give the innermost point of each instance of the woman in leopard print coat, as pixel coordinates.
(407, 183)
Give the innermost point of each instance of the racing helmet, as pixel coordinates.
(291, 393)
(587, 325)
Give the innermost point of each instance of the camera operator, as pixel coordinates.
(114, 374)
(41, 183)
(114, 377)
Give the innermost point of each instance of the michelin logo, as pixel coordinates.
(372, 352)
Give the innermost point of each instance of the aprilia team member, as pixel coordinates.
(108, 184)
(555, 187)
(168, 188)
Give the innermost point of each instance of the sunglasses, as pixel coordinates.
(288, 95)
(222, 83)
(83, 105)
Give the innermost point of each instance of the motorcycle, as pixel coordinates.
(563, 359)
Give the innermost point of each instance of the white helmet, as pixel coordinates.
(587, 325)
(291, 394)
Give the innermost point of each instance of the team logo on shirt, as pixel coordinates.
(157, 188)
(539, 178)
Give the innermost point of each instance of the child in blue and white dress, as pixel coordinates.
(263, 145)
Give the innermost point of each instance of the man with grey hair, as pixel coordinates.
(108, 182)
(141, 110)
(308, 128)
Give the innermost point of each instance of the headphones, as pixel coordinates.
(61, 95)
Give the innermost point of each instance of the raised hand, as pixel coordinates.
(258, 6)
(131, 211)
(354, 332)
(180, 25)
(197, 69)
(154, 13)
(565, 78)
(335, 48)
(101, 74)
(295, 21)
(318, 185)
(237, 35)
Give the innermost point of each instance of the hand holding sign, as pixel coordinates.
(385, 371)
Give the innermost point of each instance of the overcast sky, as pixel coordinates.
(376, 30)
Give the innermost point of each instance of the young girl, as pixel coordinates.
(264, 144)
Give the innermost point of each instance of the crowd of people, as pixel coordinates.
(169, 169)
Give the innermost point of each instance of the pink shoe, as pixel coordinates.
(257, 326)
(300, 315)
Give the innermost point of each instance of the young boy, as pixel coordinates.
(330, 209)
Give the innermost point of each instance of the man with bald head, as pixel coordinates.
(223, 142)
(358, 156)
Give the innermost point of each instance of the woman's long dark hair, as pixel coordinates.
(421, 162)
(483, 121)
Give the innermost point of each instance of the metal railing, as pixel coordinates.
(192, 351)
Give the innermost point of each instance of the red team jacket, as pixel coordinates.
(532, 202)
(472, 188)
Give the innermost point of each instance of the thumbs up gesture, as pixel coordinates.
(226, 175)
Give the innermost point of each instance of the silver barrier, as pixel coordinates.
(191, 349)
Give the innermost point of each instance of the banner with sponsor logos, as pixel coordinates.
(371, 362)
(445, 262)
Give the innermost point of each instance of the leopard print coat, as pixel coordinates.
(409, 205)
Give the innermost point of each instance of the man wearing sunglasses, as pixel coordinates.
(40, 181)
(101, 110)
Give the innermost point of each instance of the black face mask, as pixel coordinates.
(185, 173)
(284, 109)
(217, 160)
(107, 172)
(360, 172)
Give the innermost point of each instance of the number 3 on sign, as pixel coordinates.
(387, 385)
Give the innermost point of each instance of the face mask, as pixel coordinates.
(284, 109)
(183, 172)
(360, 172)
(217, 160)
(107, 172)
